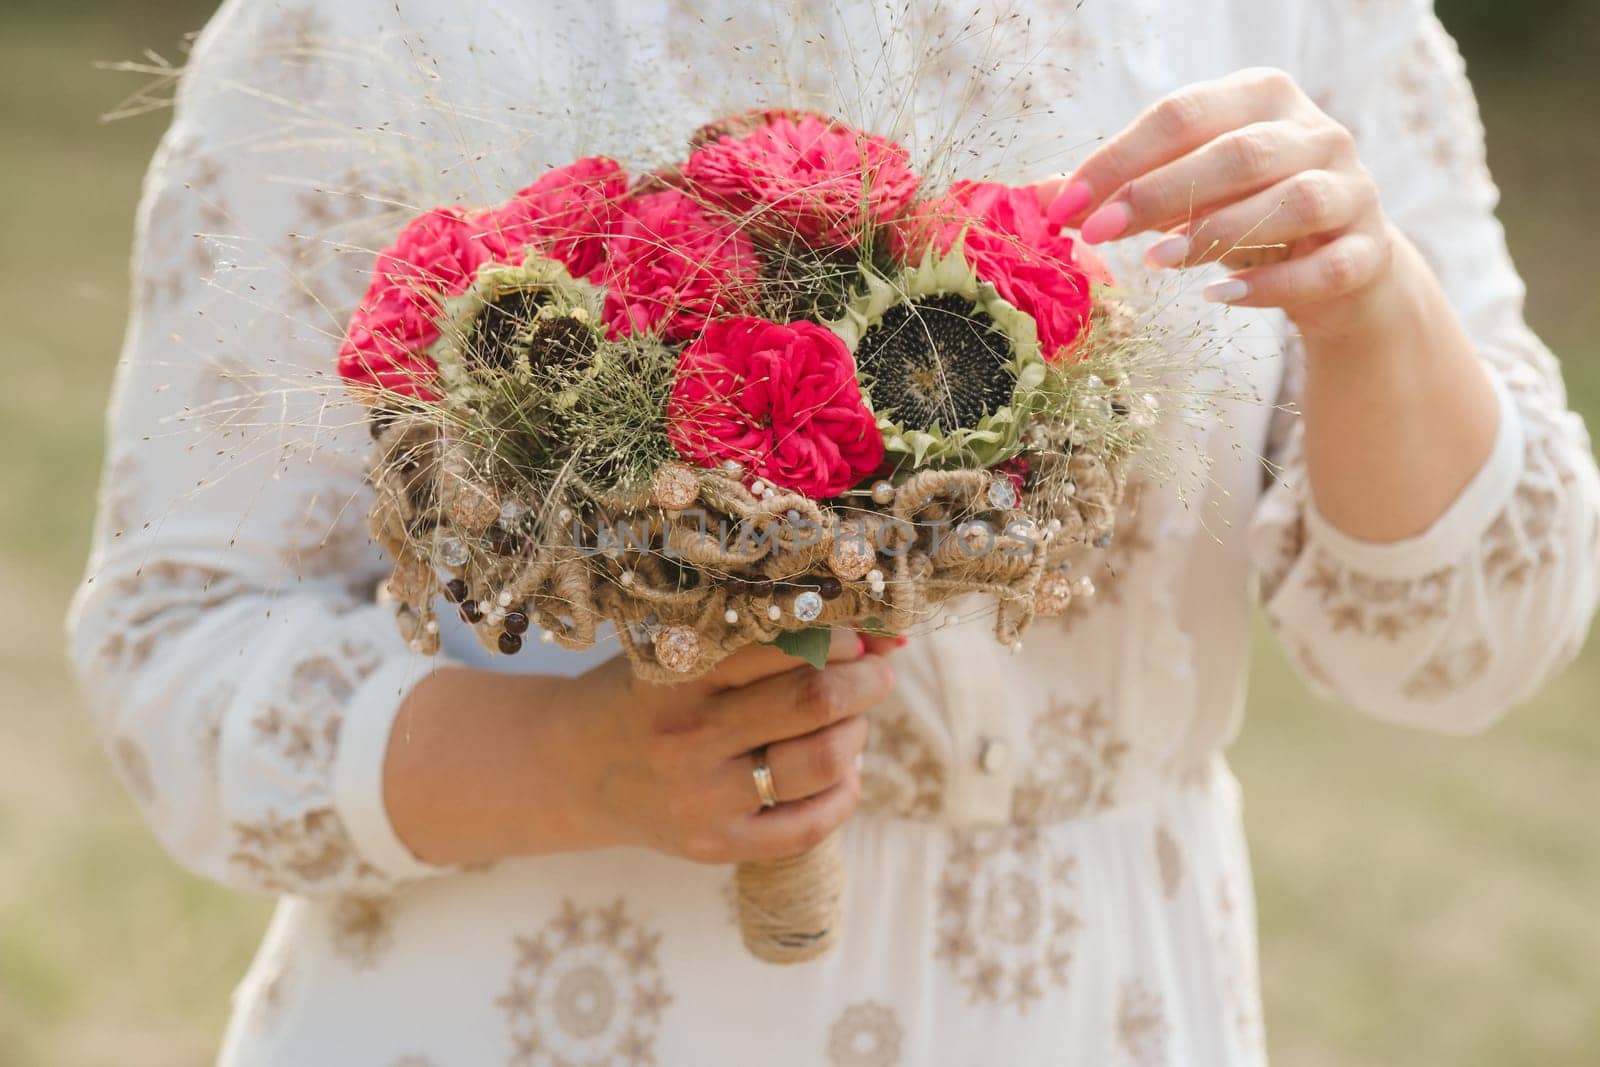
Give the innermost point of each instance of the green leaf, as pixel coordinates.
(810, 645)
(874, 625)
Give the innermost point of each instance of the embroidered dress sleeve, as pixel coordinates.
(1451, 628)
(240, 671)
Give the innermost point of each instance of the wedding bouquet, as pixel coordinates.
(775, 388)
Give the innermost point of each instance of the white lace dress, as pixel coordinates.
(1049, 865)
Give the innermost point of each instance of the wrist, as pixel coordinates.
(587, 709)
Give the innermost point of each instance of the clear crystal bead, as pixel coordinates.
(453, 553)
(1002, 493)
(808, 606)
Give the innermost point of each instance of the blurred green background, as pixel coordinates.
(1424, 901)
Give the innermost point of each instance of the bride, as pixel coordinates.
(1045, 851)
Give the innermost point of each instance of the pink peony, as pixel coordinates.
(780, 399)
(567, 215)
(806, 176)
(435, 256)
(670, 266)
(1011, 245)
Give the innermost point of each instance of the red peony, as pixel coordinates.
(566, 215)
(1055, 292)
(1001, 209)
(435, 256)
(1011, 245)
(806, 176)
(780, 399)
(670, 266)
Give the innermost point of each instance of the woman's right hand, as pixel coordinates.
(671, 767)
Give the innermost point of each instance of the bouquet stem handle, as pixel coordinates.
(790, 909)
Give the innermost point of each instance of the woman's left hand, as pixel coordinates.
(1245, 170)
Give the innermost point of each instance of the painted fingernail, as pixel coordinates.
(1107, 223)
(1168, 252)
(861, 645)
(901, 641)
(1227, 291)
(1071, 200)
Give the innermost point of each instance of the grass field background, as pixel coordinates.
(1424, 901)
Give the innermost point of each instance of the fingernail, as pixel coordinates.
(1071, 200)
(861, 645)
(901, 641)
(858, 760)
(1106, 224)
(1168, 252)
(1226, 291)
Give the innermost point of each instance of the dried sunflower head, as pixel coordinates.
(950, 369)
(519, 322)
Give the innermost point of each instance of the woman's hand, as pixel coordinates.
(673, 766)
(483, 766)
(1245, 170)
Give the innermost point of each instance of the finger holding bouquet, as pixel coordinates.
(672, 768)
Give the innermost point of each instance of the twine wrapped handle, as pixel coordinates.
(790, 909)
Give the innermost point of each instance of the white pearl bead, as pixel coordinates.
(875, 576)
(627, 577)
(774, 612)
(547, 636)
(950, 620)
(504, 599)
(730, 616)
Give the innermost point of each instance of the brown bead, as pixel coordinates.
(516, 623)
(470, 611)
(761, 587)
(737, 587)
(455, 590)
(502, 541)
(510, 644)
(830, 588)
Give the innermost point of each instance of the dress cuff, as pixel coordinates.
(1452, 534)
(358, 767)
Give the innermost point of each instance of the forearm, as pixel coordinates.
(483, 766)
(1399, 411)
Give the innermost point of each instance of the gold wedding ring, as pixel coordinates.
(763, 776)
